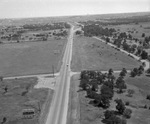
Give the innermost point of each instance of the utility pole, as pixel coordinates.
(53, 70)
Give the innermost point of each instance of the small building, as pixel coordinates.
(28, 113)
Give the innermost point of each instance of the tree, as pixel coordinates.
(122, 74)
(120, 106)
(130, 36)
(133, 74)
(108, 114)
(107, 92)
(6, 89)
(103, 101)
(148, 71)
(124, 70)
(126, 46)
(83, 84)
(130, 92)
(94, 85)
(140, 69)
(107, 40)
(78, 32)
(1, 78)
(120, 84)
(4, 120)
(110, 72)
(143, 34)
(109, 83)
(148, 97)
(144, 55)
(111, 118)
(127, 113)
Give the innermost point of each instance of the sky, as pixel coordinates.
(46, 8)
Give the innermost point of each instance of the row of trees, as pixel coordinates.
(54, 26)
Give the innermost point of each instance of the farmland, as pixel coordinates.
(31, 57)
(92, 54)
(19, 94)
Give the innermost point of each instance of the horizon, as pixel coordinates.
(75, 15)
(58, 8)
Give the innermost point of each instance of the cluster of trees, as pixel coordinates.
(78, 32)
(61, 33)
(90, 81)
(94, 30)
(138, 50)
(100, 88)
(111, 116)
(36, 27)
(137, 71)
(119, 21)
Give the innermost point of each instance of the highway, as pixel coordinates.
(59, 107)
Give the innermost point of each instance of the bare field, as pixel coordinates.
(31, 58)
(92, 54)
(15, 100)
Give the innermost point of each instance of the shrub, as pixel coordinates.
(120, 106)
(127, 113)
(130, 92)
(127, 103)
(145, 106)
(111, 118)
(148, 97)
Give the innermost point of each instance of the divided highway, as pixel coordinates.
(59, 107)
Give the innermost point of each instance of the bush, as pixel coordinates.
(127, 103)
(130, 92)
(127, 113)
(111, 118)
(148, 97)
(120, 106)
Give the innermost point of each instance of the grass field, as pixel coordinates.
(92, 54)
(13, 102)
(82, 112)
(73, 116)
(31, 58)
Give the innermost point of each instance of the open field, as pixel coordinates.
(92, 54)
(31, 58)
(82, 112)
(22, 95)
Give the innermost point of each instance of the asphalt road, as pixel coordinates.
(59, 107)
